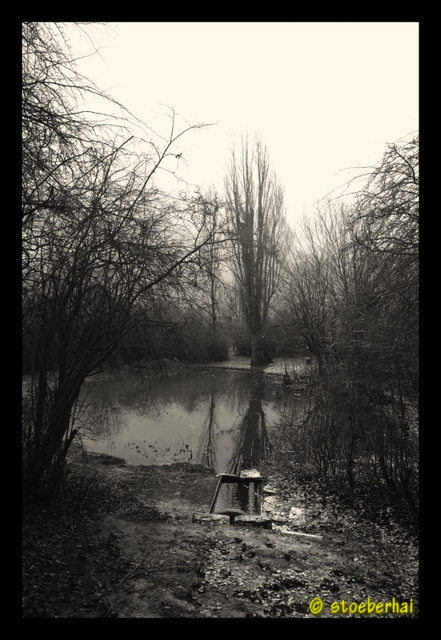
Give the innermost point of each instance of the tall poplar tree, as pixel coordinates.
(255, 205)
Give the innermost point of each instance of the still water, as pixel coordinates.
(217, 418)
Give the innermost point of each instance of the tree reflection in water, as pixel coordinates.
(207, 445)
(214, 418)
(251, 447)
(252, 443)
(108, 417)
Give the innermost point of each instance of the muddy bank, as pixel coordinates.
(296, 368)
(124, 543)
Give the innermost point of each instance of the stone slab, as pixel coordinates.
(246, 520)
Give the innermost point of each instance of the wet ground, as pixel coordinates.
(128, 545)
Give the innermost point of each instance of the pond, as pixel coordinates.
(218, 418)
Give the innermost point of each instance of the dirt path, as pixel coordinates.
(133, 550)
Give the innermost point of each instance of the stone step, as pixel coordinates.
(239, 519)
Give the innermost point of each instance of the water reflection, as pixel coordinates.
(216, 418)
(251, 446)
(252, 442)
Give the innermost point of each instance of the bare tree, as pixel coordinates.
(255, 206)
(212, 204)
(97, 236)
(386, 220)
(352, 291)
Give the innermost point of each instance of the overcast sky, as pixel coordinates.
(324, 96)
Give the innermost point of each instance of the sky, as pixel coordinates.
(326, 97)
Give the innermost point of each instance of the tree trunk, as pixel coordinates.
(259, 356)
(45, 468)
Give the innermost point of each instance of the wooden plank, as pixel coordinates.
(228, 477)
(215, 495)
